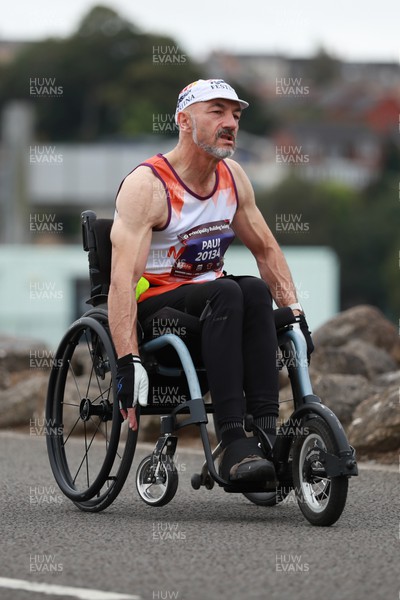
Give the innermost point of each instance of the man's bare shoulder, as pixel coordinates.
(233, 165)
(143, 193)
(244, 187)
(142, 181)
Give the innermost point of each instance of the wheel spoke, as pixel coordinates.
(69, 435)
(92, 367)
(316, 493)
(101, 395)
(105, 435)
(86, 454)
(71, 368)
(147, 487)
(87, 450)
(95, 357)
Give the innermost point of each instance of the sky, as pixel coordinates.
(352, 30)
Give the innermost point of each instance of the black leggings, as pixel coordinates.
(239, 344)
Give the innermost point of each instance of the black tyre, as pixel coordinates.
(83, 422)
(114, 482)
(321, 498)
(157, 483)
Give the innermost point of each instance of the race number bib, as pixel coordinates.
(203, 249)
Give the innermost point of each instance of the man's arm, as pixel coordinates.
(250, 226)
(140, 207)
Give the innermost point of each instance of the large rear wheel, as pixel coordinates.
(90, 453)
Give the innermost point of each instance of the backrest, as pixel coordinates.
(96, 241)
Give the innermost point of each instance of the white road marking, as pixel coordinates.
(61, 590)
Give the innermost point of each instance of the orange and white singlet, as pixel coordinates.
(190, 248)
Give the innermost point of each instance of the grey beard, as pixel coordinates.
(217, 152)
(213, 150)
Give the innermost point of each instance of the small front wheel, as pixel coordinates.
(321, 498)
(209, 482)
(157, 481)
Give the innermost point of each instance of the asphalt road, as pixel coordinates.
(203, 545)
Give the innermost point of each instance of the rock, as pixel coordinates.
(376, 360)
(355, 357)
(5, 379)
(21, 402)
(388, 379)
(21, 359)
(375, 427)
(366, 323)
(341, 393)
(332, 359)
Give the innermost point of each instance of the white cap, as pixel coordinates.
(203, 90)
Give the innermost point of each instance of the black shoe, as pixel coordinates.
(243, 461)
(252, 468)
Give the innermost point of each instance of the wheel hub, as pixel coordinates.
(313, 464)
(87, 409)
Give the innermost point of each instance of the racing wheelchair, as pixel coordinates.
(91, 448)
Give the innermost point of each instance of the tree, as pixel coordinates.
(110, 84)
(115, 79)
(361, 228)
(323, 68)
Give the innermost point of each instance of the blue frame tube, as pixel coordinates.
(296, 337)
(184, 356)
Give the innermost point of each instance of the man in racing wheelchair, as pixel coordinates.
(176, 214)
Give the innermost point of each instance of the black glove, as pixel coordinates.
(132, 382)
(307, 334)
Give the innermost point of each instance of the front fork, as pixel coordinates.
(307, 405)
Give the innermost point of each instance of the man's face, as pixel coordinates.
(215, 124)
